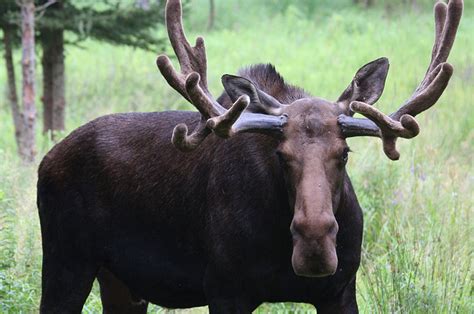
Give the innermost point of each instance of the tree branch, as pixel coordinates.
(45, 6)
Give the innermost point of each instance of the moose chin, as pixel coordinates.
(253, 205)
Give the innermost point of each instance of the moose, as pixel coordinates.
(253, 205)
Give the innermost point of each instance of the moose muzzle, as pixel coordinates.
(314, 246)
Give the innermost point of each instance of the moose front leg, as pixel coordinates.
(225, 294)
(343, 303)
(230, 304)
(116, 297)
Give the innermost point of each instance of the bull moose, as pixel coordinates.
(254, 205)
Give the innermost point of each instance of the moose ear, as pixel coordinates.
(260, 102)
(367, 85)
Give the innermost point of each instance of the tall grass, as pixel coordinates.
(418, 243)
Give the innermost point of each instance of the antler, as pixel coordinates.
(191, 83)
(402, 122)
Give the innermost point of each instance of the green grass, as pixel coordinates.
(418, 243)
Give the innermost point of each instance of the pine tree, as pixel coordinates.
(18, 25)
(10, 39)
(52, 61)
(212, 15)
(27, 147)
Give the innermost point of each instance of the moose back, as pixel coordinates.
(254, 205)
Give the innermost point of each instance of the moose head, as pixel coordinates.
(312, 132)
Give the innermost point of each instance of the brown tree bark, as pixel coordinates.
(212, 15)
(27, 147)
(12, 91)
(54, 100)
(47, 98)
(59, 97)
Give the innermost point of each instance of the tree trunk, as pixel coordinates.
(47, 98)
(27, 146)
(54, 100)
(212, 15)
(59, 98)
(12, 92)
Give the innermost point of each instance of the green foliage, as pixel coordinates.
(19, 253)
(112, 22)
(7, 8)
(117, 22)
(418, 245)
(401, 6)
(307, 7)
(9, 11)
(7, 237)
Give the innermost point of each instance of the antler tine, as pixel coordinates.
(191, 59)
(174, 79)
(206, 105)
(402, 123)
(440, 10)
(447, 18)
(185, 142)
(448, 35)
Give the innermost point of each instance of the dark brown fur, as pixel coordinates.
(181, 229)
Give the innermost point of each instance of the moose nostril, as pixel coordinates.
(295, 230)
(333, 229)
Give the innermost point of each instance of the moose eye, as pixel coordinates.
(345, 155)
(281, 158)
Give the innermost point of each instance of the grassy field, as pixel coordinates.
(418, 244)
